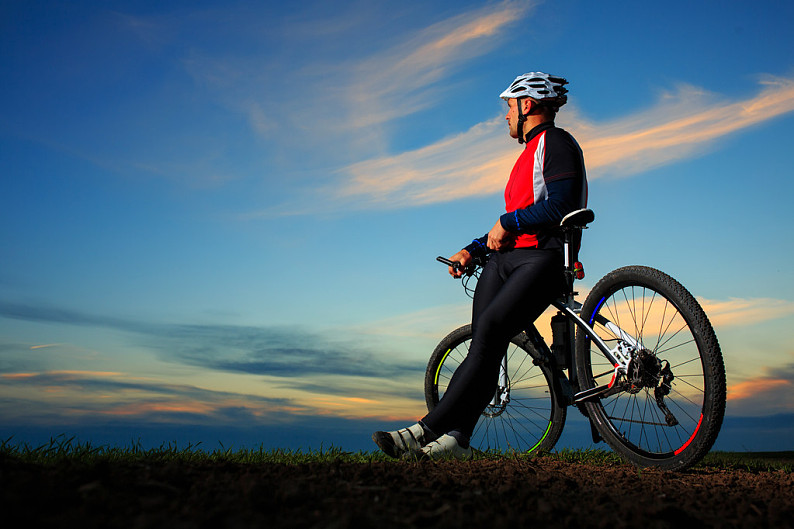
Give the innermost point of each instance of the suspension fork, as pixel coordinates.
(502, 393)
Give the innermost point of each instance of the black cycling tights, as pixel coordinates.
(515, 287)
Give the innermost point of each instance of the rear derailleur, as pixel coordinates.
(647, 371)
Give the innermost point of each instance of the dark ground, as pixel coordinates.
(485, 493)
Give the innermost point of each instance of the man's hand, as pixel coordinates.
(499, 238)
(464, 258)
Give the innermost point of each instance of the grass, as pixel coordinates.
(752, 461)
(64, 449)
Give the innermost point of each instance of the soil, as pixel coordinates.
(512, 493)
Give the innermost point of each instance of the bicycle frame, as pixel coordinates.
(618, 355)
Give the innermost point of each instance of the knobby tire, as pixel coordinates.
(672, 327)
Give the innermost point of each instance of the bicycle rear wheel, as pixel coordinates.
(531, 420)
(667, 411)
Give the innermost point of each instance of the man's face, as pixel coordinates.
(512, 117)
(512, 113)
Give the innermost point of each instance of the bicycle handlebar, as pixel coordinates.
(454, 264)
(470, 268)
(471, 271)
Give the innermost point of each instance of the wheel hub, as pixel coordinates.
(497, 406)
(644, 371)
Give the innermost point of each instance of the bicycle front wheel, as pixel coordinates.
(523, 417)
(667, 411)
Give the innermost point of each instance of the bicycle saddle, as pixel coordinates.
(578, 219)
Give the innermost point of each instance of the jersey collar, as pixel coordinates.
(546, 125)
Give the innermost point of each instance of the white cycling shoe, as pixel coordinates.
(398, 443)
(445, 447)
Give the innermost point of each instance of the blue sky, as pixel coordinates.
(219, 219)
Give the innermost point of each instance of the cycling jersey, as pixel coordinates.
(547, 182)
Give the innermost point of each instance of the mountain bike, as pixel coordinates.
(639, 358)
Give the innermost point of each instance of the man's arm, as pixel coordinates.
(478, 247)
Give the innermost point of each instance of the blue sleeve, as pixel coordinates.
(478, 247)
(562, 198)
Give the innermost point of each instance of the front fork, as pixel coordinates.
(502, 395)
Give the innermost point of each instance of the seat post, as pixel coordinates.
(572, 225)
(568, 252)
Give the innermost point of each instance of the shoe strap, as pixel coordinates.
(411, 436)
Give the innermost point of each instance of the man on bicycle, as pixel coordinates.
(524, 272)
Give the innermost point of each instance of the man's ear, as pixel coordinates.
(528, 106)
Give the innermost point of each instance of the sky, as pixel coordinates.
(219, 220)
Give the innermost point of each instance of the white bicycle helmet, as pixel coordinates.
(542, 87)
(547, 90)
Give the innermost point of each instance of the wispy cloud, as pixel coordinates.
(741, 312)
(407, 77)
(65, 374)
(274, 93)
(769, 393)
(71, 394)
(290, 351)
(472, 163)
(751, 388)
(62, 397)
(308, 76)
(682, 124)
(313, 369)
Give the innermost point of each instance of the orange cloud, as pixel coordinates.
(736, 311)
(681, 124)
(359, 400)
(86, 373)
(62, 372)
(19, 375)
(140, 408)
(752, 388)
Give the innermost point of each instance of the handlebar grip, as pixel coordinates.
(454, 264)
